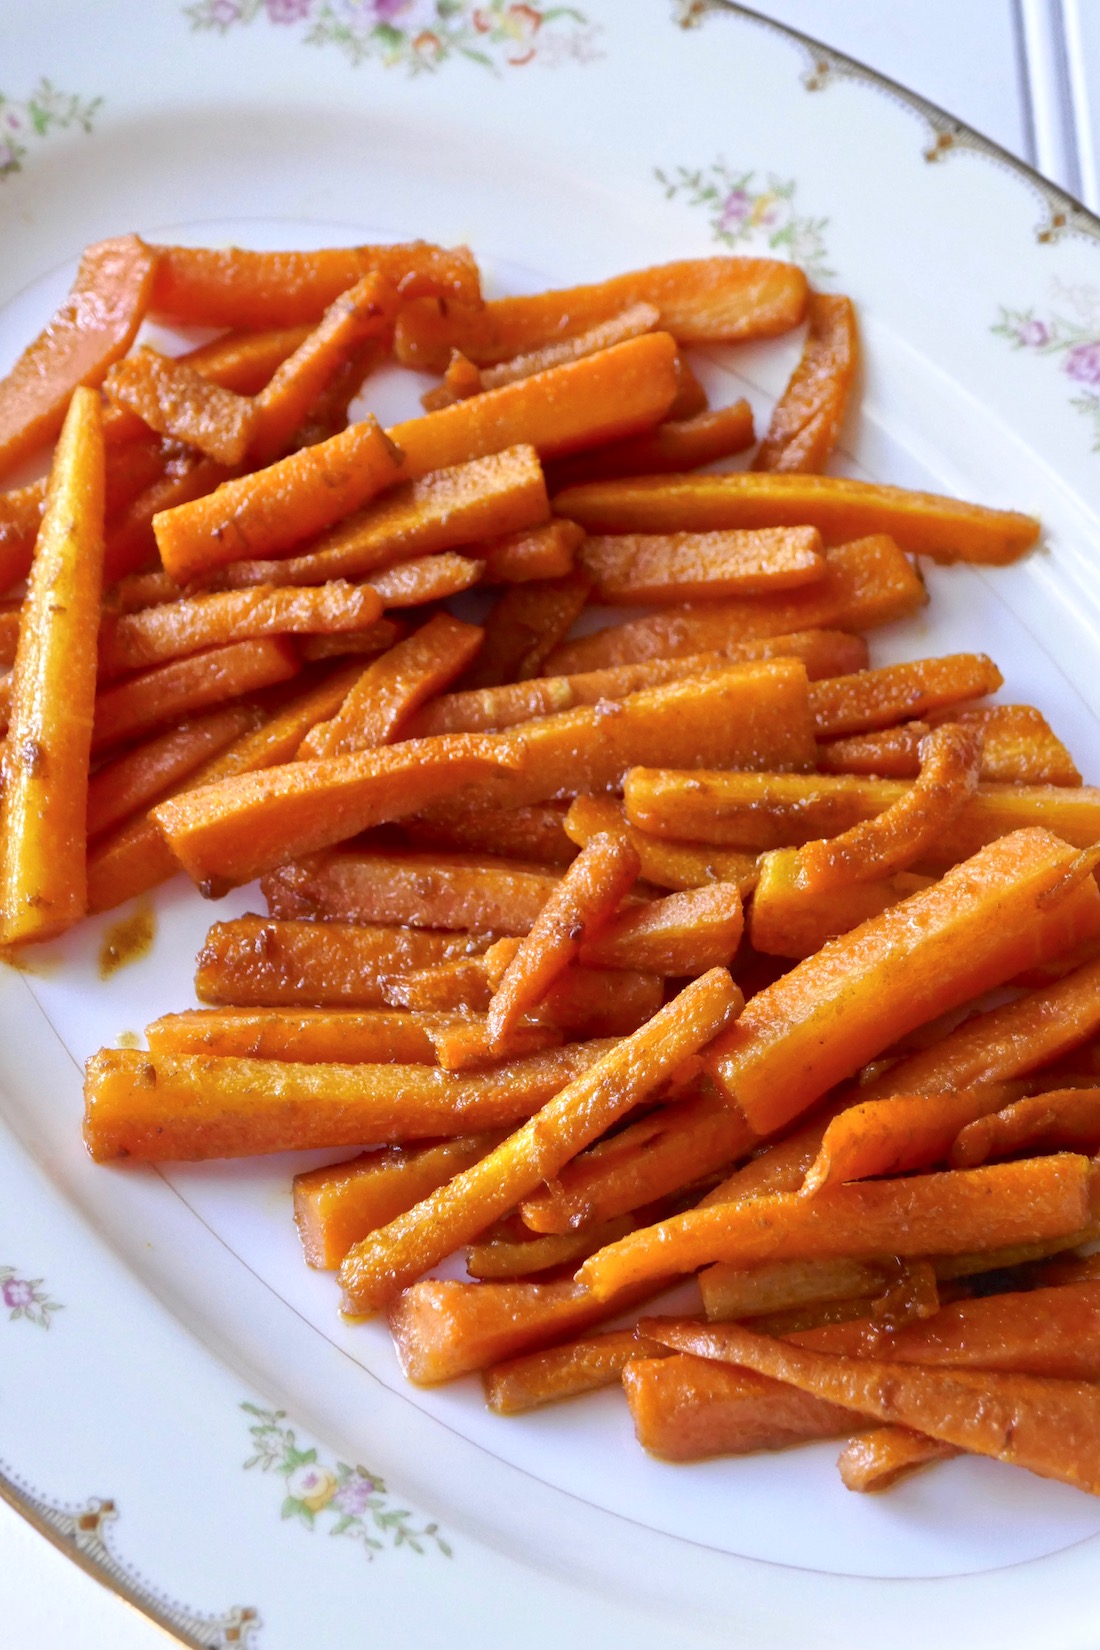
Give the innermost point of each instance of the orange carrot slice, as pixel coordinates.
(882, 1457)
(807, 418)
(682, 442)
(1067, 1118)
(142, 775)
(631, 568)
(177, 401)
(521, 1384)
(167, 692)
(525, 624)
(1019, 747)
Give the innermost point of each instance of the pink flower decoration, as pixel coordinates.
(288, 11)
(17, 1293)
(1083, 363)
(1032, 334)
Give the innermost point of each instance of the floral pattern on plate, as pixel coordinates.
(46, 110)
(421, 35)
(353, 1500)
(1069, 330)
(25, 1298)
(748, 208)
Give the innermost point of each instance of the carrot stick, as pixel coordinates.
(546, 552)
(879, 1459)
(234, 287)
(1064, 1118)
(245, 361)
(141, 776)
(243, 827)
(1052, 1427)
(273, 510)
(684, 441)
(521, 1384)
(785, 921)
(578, 908)
(43, 885)
(391, 690)
(586, 1002)
(807, 418)
(427, 579)
(496, 1257)
(131, 540)
(700, 301)
(177, 689)
(452, 507)
(629, 568)
(932, 1214)
(667, 864)
(938, 949)
(875, 698)
(1018, 747)
(191, 1108)
(523, 625)
(533, 833)
(135, 641)
(619, 392)
(866, 583)
(9, 631)
(177, 401)
(891, 1136)
(681, 935)
(311, 1035)
(464, 378)
(925, 524)
(93, 327)
(377, 1269)
(377, 638)
(20, 517)
(335, 1207)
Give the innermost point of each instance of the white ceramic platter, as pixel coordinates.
(179, 1403)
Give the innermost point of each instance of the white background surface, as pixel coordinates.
(1024, 72)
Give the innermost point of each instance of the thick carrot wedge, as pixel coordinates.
(377, 1269)
(141, 776)
(314, 1035)
(335, 1207)
(1018, 747)
(177, 401)
(420, 890)
(618, 392)
(195, 1107)
(547, 552)
(931, 1214)
(577, 910)
(94, 327)
(427, 579)
(700, 301)
(924, 524)
(866, 583)
(442, 1329)
(134, 641)
(390, 691)
(784, 921)
(681, 935)
(43, 809)
(892, 1136)
(1051, 1427)
(1064, 1118)
(936, 950)
(184, 686)
(234, 287)
(535, 833)
(502, 493)
(664, 863)
(882, 1457)
(684, 441)
(524, 625)
(632, 568)
(807, 418)
(255, 961)
(520, 1384)
(875, 698)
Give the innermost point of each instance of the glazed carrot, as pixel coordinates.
(586, 1002)
(523, 625)
(142, 775)
(875, 698)
(9, 631)
(1018, 747)
(135, 641)
(245, 361)
(376, 638)
(683, 934)
(461, 380)
(664, 863)
(234, 287)
(177, 401)
(243, 827)
(391, 690)
(784, 921)
(684, 441)
(273, 510)
(533, 833)
(93, 327)
(894, 1135)
(883, 1456)
(420, 890)
(687, 1408)
(931, 1214)
(462, 1041)
(1050, 1426)
(167, 692)
(20, 517)
(5, 699)
(442, 1329)
(365, 310)
(763, 1289)
(165, 1107)
(502, 493)
(131, 541)
(807, 417)
(546, 552)
(700, 301)
(464, 378)
(831, 1013)
(258, 962)
(1066, 1118)
(497, 1256)
(619, 392)
(426, 579)
(379, 1267)
(337, 1206)
(524, 1383)
(577, 910)
(925, 524)
(43, 885)
(866, 583)
(631, 568)
(313, 1035)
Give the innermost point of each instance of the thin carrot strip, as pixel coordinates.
(683, 567)
(880, 1458)
(20, 517)
(1064, 1118)
(546, 552)
(786, 921)
(245, 361)
(684, 441)
(524, 1383)
(495, 1257)
(666, 864)
(167, 692)
(807, 417)
(426, 579)
(141, 776)
(313, 1035)
(524, 625)
(1018, 747)
(131, 540)
(894, 1135)
(533, 833)
(177, 401)
(875, 698)
(464, 379)
(681, 935)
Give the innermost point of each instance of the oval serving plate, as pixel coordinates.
(180, 1405)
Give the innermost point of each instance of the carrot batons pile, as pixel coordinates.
(616, 951)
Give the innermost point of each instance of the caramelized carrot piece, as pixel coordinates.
(177, 401)
(533, 833)
(681, 935)
(142, 775)
(314, 1035)
(875, 698)
(234, 287)
(43, 885)
(684, 441)
(382, 634)
(629, 568)
(894, 1135)
(524, 1383)
(20, 517)
(93, 327)
(1018, 747)
(586, 1002)
(245, 361)
(866, 583)
(498, 1256)
(523, 625)
(131, 540)
(9, 631)
(784, 921)
(546, 552)
(807, 418)
(464, 379)
(666, 864)
(167, 692)
(882, 1457)
(1065, 1118)
(427, 579)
